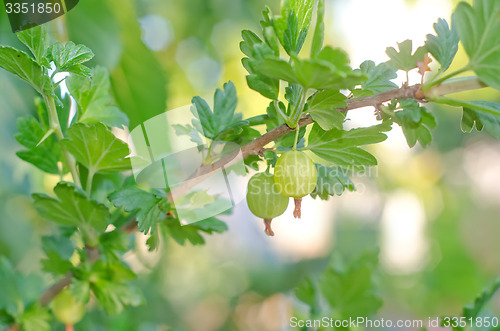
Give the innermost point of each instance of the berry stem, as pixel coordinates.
(297, 210)
(268, 230)
(297, 130)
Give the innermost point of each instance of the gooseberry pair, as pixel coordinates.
(294, 176)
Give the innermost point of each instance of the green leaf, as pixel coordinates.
(319, 30)
(472, 310)
(477, 27)
(191, 232)
(264, 85)
(17, 289)
(274, 120)
(80, 70)
(114, 297)
(46, 155)
(350, 290)
(444, 45)
(188, 130)
(329, 71)
(293, 36)
(291, 28)
(331, 181)
(225, 102)
(145, 204)
(21, 65)
(37, 40)
(306, 292)
(139, 81)
(410, 110)
(97, 148)
(379, 77)
(341, 147)
(212, 124)
(276, 68)
(94, 99)
(255, 48)
(404, 59)
(250, 39)
(323, 107)
(35, 318)
(474, 112)
(108, 283)
(415, 121)
(269, 32)
(112, 243)
(58, 250)
(73, 208)
(69, 55)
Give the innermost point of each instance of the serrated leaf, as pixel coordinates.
(37, 40)
(69, 55)
(139, 69)
(188, 130)
(72, 207)
(58, 250)
(470, 120)
(379, 77)
(94, 99)
(112, 243)
(321, 73)
(472, 310)
(45, 155)
(323, 107)
(213, 123)
(274, 120)
(97, 148)
(35, 318)
(191, 232)
(114, 297)
(80, 70)
(266, 86)
(21, 65)
(341, 147)
(17, 289)
(444, 45)
(250, 39)
(269, 32)
(477, 27)
(350, 290)
(291, 28)
(306, 292)
(319, 30)
(293, 94)
(410, 111)
(331, 181)
(404, 59)
(109, 286)
(415, 121)
(483, 114)
(145, 204)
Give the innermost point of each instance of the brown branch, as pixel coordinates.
(254, 147)
(54, 290)
(404, 92)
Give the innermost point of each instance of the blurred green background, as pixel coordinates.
(433, 213)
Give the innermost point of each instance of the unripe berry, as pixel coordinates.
(265, 200)
(295, 176)
(67, 309)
